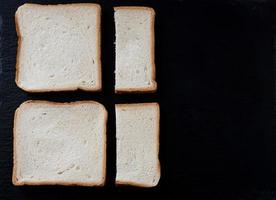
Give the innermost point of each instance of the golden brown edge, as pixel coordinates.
(18, 49)
(134, 184)
(68, 183)
(127, 105)
(98, 27)
(153, 87)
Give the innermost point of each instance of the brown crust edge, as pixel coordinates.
(98, 26)
(130, 183)
(153, 87)
(65, 183)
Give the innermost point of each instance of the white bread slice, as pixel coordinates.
(58, 47)
(135, 66)
(60, 143)
(137, 134)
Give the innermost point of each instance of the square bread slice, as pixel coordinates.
(60, 143)
(137, 134)
(135, 66)
(58, 47)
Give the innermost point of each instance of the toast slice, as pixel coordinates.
(135, 66)
(60, 143)
(137, 134)
(58, 47)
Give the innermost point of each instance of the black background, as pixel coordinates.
(215, 70)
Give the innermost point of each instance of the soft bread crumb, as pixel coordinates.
(137, 134)
(58, 47)
(60, 143)
(135, 67)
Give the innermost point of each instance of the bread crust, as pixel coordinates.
(97, 88)
(133, 105)
(65, 183)
(153, 87)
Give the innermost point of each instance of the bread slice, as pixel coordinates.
(137, 133)
(58, 47)
(60, 143)
(135, 67)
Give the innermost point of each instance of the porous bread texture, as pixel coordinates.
(135, 66)
(137, 134)
(58, 47)
(60, 143)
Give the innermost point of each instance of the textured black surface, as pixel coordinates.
(215, 71)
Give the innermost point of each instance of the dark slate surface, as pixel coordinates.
(215, 69)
